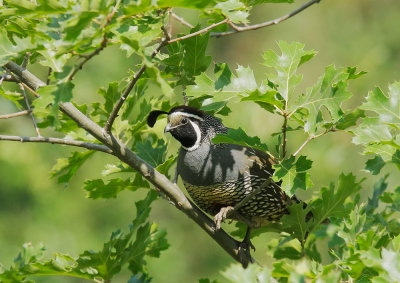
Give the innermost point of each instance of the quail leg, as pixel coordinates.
(246, 243)
(221, 216)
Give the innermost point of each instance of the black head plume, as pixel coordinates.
(152, 118)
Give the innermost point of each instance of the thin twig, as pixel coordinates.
(87, 145)
(29, 109)
(16, 114)
(310, 138)
(199, 32)
(169, 24)
(26, 60)
(103, 43)
(48, 75)
(276, 21)
(135, 78)
(181, 20)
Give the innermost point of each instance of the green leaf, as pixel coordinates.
(349, 119)
(243, 83)
(194, 60)
(111, 96)
(295, 222)
(15, 97)
(9, 50)
(253, 273)
(266, 100)
(235, 10)
(371, 130)
(66, 168)
(77, 24)
(375, 165)
(153, 155)
(191, 4)
(54, 61)
(333, 200)
(387, 107)
(291, 249)
(142, 239)
(164, 167)
(293, 174)
(238, 136)
(98, 189)
(52, 95)
(257, 2)
(286, 65)
(379, 188)
(329, 92)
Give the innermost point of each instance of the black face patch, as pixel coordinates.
(185, 134)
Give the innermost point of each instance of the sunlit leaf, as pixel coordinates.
(286, 65)
(238, 136)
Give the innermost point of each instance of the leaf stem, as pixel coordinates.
(284, 132)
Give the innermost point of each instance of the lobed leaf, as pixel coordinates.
(293, 174)
(66, 168)
(333, 200)
(286, 64)
(238, 136)
(329, 92)
(98, 189)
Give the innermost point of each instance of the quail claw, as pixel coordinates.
(221, 216)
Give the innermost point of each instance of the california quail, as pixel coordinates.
(225, 180)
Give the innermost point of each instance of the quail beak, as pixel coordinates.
(167, 129)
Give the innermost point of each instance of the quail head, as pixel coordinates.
(225, 180)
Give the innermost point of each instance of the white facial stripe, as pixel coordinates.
(198, 137)
(189, 115)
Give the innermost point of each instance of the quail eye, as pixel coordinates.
(184, 121)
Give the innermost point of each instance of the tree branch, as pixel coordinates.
(17, 114)
(310, 138)
(135, 78)
(181, 20)
(103, 43)
(199, 32)
(27, 78)
(160, 181)
(28, 105)
(276, 21)
(87, 145)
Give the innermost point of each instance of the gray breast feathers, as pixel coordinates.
(219, 163)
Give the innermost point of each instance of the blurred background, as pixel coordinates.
(34, 208)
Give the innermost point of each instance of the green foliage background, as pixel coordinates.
(35, 208)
